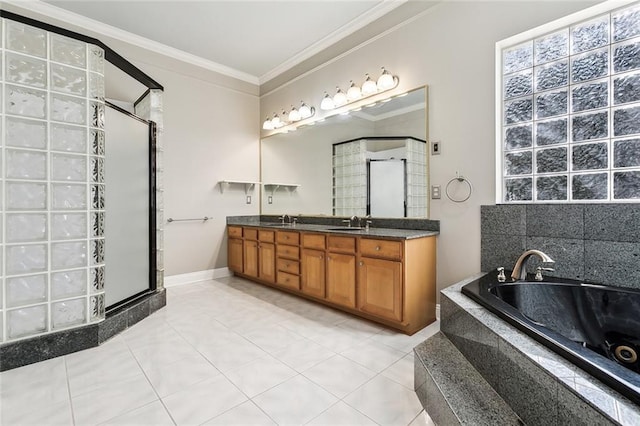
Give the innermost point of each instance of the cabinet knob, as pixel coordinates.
(377, 248)
(361, 263)
(321, 257)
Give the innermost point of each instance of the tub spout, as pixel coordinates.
(520, 269)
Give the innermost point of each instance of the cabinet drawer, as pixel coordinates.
(289, 280)
(250, 234)
(266, 236)
(289, 252)
(290, 266)
(234, 231)
(381, 248)
(292, 238)
(345, 244)
(313, 241)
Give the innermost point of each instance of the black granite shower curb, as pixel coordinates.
(36, 349)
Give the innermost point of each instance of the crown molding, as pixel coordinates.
(349, 28)
(94, 26)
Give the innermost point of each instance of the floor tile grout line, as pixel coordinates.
(66, 371)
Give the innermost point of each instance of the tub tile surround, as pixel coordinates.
(596, 243)
(539, 385)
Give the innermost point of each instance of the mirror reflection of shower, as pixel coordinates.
(380, 176)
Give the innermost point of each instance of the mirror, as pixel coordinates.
(297, 168)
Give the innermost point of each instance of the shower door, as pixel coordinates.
(128, 220)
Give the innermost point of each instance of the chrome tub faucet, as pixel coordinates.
(520, 268)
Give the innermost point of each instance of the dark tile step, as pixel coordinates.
(453, 392)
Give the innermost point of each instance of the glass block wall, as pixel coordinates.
(571, 113)
(150, 108)
(350, 178)
(417, 178)
(52, 182)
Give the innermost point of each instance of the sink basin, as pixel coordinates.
(345, 228)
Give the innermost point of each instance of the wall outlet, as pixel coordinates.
(435, 192)
(436, 148)
(270, 199)
(248, 199)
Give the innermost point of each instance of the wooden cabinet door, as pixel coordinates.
(341, 279)
(313, 272)
(380, 288)
(250, 258)
(234, 255)
(267, 262)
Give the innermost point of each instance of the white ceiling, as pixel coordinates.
(259, 39)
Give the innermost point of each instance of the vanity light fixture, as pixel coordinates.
(327, 102)
(354, 92)
(385, 82)
(369, 87)
(287, 118)
(339, 98)
(294, 115)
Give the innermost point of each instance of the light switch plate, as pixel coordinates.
(435, 192)
(248, 199)
(270, 199)
(436, 147)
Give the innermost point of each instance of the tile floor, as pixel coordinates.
(227, 352)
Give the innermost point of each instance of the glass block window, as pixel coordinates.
(569, 110)
(51, 183)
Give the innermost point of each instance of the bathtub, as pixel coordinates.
(594, 326)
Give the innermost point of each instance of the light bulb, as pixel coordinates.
(275, 121)
(305, 111)
(294, 115)
(386, 80)
(369, 87)
(339, 98)
(354, 92)
(327, 102)
(267, 125)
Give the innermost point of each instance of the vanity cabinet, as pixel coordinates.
(387, 280)
(341, 271)
(234, 246)
(313, 264)
(266, 255)
(288, 259)
(380, 280)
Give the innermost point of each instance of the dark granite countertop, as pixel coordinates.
(392, 233)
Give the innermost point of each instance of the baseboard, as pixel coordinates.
(193, 277)
(438, 311)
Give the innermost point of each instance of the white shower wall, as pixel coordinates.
(52, 183)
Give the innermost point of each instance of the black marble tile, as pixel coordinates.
(612, 222)
(555, 220)
(500, 250)
(503, 219)
(475, 341)
(112, 325)
(29, 351)
(138, 312)
(567, 253)
(157, 300)
(530, 392)
(612, 263)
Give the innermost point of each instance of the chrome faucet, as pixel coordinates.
(520, 268)
(355, 219)
(286, 218)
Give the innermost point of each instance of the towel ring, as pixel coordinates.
(460, 179)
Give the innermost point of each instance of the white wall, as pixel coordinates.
(210, 134)
(450, 49)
